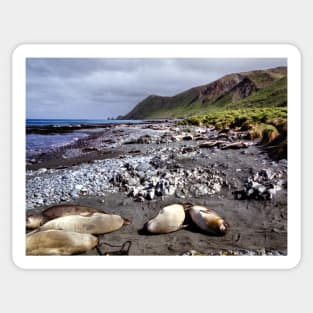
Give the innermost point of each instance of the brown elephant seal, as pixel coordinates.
(168, 220)
(235, 145)
(67, 209)
(208, 220)
(211, 143)
(94, 223)
(36, 219)
(59, 242)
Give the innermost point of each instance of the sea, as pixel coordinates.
(38, 143)
(64, 122)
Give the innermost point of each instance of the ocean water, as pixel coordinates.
(38, 143)
(64, 122)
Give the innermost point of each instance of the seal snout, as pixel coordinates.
(144, 230)
(224, 228)
(94, 241)
(126, 221)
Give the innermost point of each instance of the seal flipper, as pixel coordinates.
(187, 206)
(97, 246)
(207, 210)
(126, 221)
(98, 250)
(86, 214)
(33, 232)
(184, 226)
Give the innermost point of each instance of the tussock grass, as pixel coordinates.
(269, 125)
(240, 117)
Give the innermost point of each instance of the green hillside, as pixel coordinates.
(261, 88)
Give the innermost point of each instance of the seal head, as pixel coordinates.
(34, 220)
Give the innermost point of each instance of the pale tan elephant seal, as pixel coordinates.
(168, 220)
(94, 223)
(59, 242)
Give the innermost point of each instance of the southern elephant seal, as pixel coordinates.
(94, 223)
(59, 242)
(36, 219)
(235, 145)
(168, 220)
(208, 220)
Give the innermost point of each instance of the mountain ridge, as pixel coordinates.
(253, 88)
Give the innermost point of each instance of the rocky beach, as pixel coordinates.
(135, 169)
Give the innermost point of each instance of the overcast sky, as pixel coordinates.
(100, 88)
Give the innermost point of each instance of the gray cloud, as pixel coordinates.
(97, 88)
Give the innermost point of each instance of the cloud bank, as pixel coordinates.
(94, 88)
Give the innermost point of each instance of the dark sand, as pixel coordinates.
(253, 226)
(256, 226)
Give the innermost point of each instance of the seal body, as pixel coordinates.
(95, 223)
(208, 220)
(211, 143)
(59, 242)
(36, 219)
(168, 220)
(235, 145)
(67, 209)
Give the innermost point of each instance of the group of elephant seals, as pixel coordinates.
(58, 242)
(68, 229)
(168, 220)
(172, 217)
(35, 220)
(90, 223)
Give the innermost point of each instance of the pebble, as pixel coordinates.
(150, 194)
(146, 177)
(78, 187)
(261, 185)
(42, 170)
(236, 252)
(74, 194)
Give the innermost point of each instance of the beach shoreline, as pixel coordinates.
(136, 169)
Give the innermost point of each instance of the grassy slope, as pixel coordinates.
(274, 95)
(272, 92)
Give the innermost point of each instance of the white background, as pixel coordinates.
(155, 22)
(153, 50)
